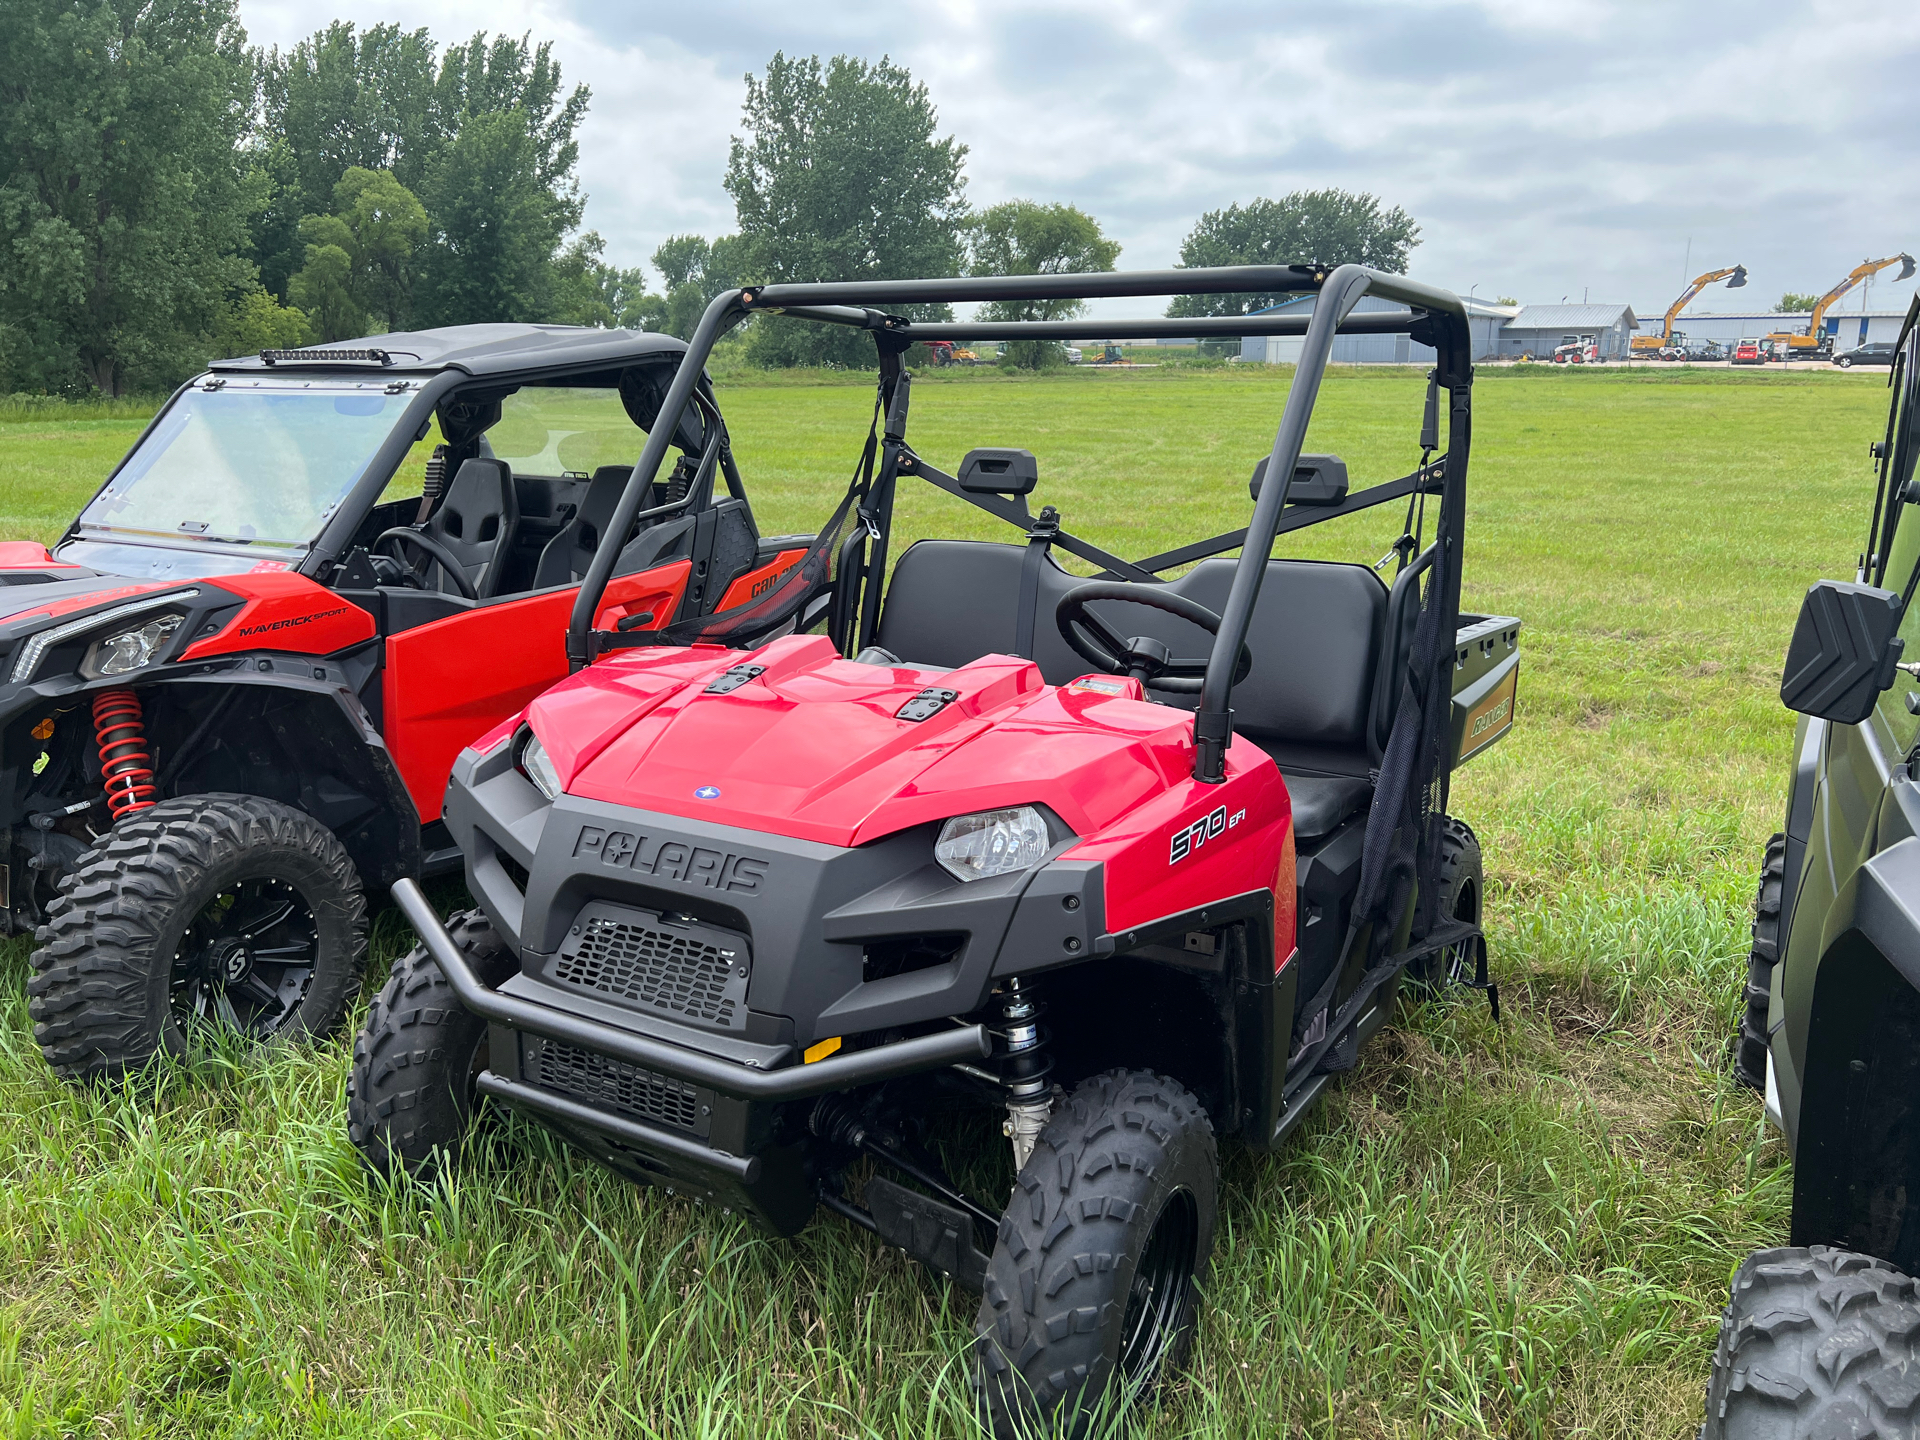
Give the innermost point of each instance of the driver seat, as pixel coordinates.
(477, 523)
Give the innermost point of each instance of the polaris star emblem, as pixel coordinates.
(1190, 838)
(707, 792)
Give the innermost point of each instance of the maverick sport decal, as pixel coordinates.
(672, 860)
(1191, 837)
(271, 625)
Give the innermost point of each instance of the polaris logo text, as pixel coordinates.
(1192, 837)
(672, 860)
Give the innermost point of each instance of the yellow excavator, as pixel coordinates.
(1655, 345)
(1813, 342)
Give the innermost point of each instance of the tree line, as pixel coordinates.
(169, 193)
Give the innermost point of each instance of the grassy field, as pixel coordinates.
(1513, 1230)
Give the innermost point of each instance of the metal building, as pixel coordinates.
(1539, 329)
(1484, 320)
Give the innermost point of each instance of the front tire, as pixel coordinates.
(230, 910)
(410, 1094)
(1816, 1342)
(1750, 1044)
(1093, 1289)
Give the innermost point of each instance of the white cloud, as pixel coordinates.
(1547, 147)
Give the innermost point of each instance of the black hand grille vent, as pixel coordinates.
(598, 1080)
(689, 970)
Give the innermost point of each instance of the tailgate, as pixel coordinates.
(1486, 681)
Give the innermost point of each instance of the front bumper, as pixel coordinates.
(717, 1141)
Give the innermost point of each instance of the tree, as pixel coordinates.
(1792, 304)
(384, 101)
(256, 321)
(841, 176)
(1024, 237)
(122, 211)
(356, 273)
(693, 270)
(496, 227)
(1331, 227)
(588, 291)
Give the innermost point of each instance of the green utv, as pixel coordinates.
(1822, 1338)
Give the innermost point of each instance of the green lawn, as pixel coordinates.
(1523, 1229)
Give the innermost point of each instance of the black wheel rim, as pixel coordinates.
(247, 958)
(1456, 959)
(1160, 1300)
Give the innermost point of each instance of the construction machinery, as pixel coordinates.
(1648, 346)
(1814, 343)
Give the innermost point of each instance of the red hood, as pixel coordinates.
(813, 748)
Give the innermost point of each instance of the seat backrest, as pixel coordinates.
(477, 521)
(566, 556)
(1316, 636)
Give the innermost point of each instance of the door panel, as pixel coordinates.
(452, 680)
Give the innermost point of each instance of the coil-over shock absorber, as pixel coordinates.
(1019, 1052)
(126, 766)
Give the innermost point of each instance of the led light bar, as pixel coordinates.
(38, 645)
(320, 357)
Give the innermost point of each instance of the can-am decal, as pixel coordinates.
(1191, 837)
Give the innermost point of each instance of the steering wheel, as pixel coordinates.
(435, 552)
(1144, 658)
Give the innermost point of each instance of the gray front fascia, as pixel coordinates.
(807, 908)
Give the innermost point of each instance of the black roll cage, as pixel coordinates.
(1433, 317)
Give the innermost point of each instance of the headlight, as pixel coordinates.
(38, 645)
(538, 766)
(130, 649)
(992, 842)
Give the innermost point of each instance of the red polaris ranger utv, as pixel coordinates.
(230, 697)
(1130, 863)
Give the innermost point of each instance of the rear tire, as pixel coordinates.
(231, 909)
(410, 1094)
(1750, 1044)
(1816, 1342)
(1462, 890)
(1101, 1258)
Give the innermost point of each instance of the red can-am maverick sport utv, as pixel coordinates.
(756, 901)
(231, 695)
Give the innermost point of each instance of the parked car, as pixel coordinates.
(1874, 352)
(1822, 1336)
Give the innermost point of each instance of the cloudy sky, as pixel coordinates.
(1548, 148)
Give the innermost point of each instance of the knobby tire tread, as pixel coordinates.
(98, 1007)
(1750, 1048)
(407, 1098)
(1047, 1335)
(1816, 1343)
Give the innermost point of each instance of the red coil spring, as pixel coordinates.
(125, 766)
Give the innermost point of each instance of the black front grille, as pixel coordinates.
(687, 969)
(617, 1085)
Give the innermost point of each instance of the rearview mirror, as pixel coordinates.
(1317, 480)
(999, 472)
(1843, 651)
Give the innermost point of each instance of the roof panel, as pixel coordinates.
(1571, 317)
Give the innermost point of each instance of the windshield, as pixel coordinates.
(266, 464)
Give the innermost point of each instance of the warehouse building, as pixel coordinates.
(1484, 320)
(1538, 330)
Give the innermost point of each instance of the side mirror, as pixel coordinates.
(1317, 480)
(1843, 651)
(999, 472)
